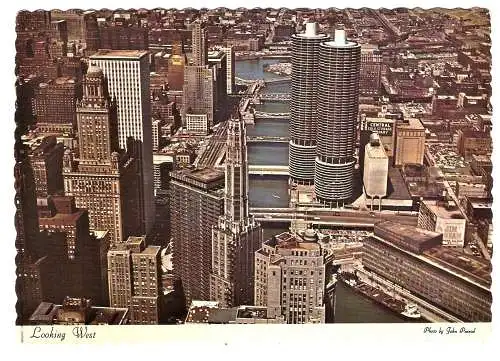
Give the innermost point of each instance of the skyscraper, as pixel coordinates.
(230, 72)
(28, 265)
(102, 180)
(55, 105)
(291, 278)
(127, 72)
(196, 202)
(199, 43)
(237, 236)
(371, 69)
(146, 275)
(134, 278)
(303, 104)
(198, 96)
(338, 98)
(176, 64)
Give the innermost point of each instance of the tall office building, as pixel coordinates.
(230, 82)
(28, 265)
(198, 96)
(102, 180)
(26, 218)
(134, 278)
(199, 43)
(338, 98)
(371, 70)
(55, 105)
(196, 202)
(303, 104)
(410, 142)
(290, 278)
(127, 72)
(70, 248)
(146, 275)
(46, 161)
(176, 64)
(237, 236)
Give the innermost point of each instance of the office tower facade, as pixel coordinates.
(70, 248)
(376, 170)
(55, 105)
(198, 93)
(196, 202)
(46, 161)
(199, 43)
(91, 32)
(410, 142)
(134, 279)
(218, 64)
(66, 217)
(146, 275)
(237, 235)
(102, 180)
(176, 64)
(303, 104)
(127, 72)
(230, 61)
(371, 70)
(26, 218)
(290, 278)
(338, 98)
(28, 265)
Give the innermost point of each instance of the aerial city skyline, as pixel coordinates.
(253, 166)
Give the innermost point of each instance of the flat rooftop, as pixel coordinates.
(440, 209)
(206, 175)
(46, 313)
(397, 189)
(132, 240)
(415, 234)
(113, 54)
(376, 151)
(411, 123)
(473, 268)
(289, 241)
(151, 250)
(252, 312)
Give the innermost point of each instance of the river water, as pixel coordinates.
(271, 191)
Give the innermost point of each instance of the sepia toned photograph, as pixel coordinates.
(252, 166)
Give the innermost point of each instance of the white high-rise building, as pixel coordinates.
(127, 72)
(229, 69)
(376, 170)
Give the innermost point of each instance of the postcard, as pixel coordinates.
(217, 170)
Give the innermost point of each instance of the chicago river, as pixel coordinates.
(272, 192)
